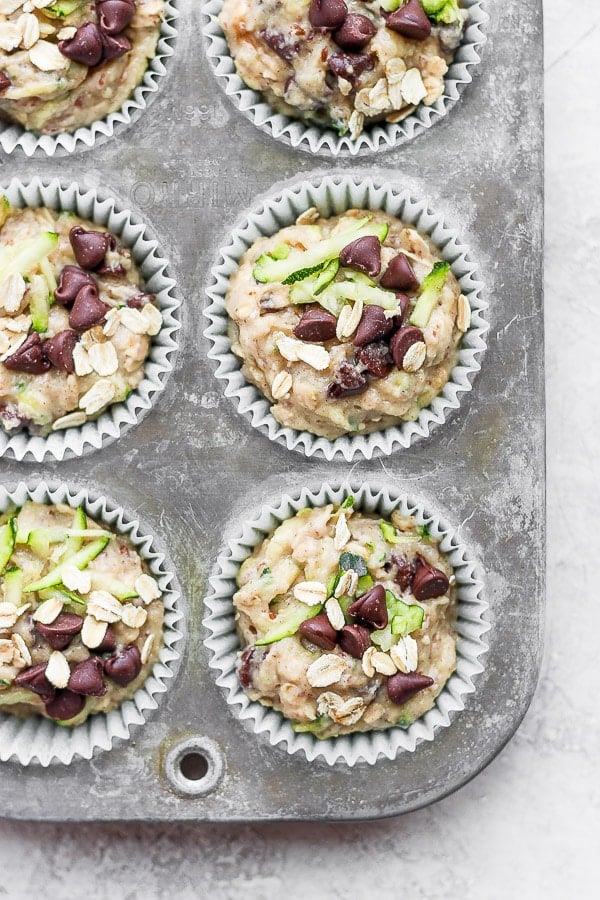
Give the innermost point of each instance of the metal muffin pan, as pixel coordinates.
(194, 469)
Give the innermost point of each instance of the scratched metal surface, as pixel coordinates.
(193, 467)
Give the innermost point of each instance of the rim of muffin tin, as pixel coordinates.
(37, 740)
(332, 195)
(320, 140)
(223, 643)
(103, 209)
(14, 136)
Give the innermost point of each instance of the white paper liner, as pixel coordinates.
(223, 642)
(315, 139)
(333, 195)
(14, 135)
(137, 236)
(39, 740)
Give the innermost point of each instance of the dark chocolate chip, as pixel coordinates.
(59, 349)
(319, 631)
(403, 302)
(364, 255)
(279, 43)
(402, 571)
(376, 359)
(399, 275)
(428, 582)
(90, 247)
(410, 21)
(402, 341)
(5, 82)
(350, 65)
(110, 271)
(140, 300)
(29, 357)
(85, 46)
(125, 666)
(61, 632)
(327, 13)
(115, 45)
(354, 640)
(402, 686)
(88, 309)
(66, 705)
(87, 678)
(315, 324)
(372, 326)
(115, 15)
(34, 679)
(248, 661)
(371, 608)
(70, 282)
(355, 33)
(347, 382)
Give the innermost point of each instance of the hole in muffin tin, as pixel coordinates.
(194, 767)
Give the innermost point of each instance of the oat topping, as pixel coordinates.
(326, 670)
(310, 592)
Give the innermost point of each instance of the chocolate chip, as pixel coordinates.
(355, 33)
(371, 608)
(319, 631)
(376, 359)
(29, 357)
(140, 300)
(350, 65)
(315, 324)
(5, 82)
(115, 45)
(70, 282)
(363, 254)
(354, 640)
(347, 382)
(279, 43)
(402, 341)
(108, 643)
(34, 679)
(115, 15)
(110, 271)
(403, 302)
(59, 349)
(428, 581)
(402, 571)
(65, 705)
(85, 46)
(327, 13)
(125, 666)
(88, 309)
(402, 686)
(90, 247)
(399, 275)
(372, 326)
(61, 632)
(248, 661)
(410, 21)
(87, 678)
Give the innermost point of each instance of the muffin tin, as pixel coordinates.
(195, 471)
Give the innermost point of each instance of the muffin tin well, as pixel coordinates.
(188, 168)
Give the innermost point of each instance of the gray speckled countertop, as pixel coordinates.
(528, 826)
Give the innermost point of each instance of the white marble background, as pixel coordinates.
(529, 826)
